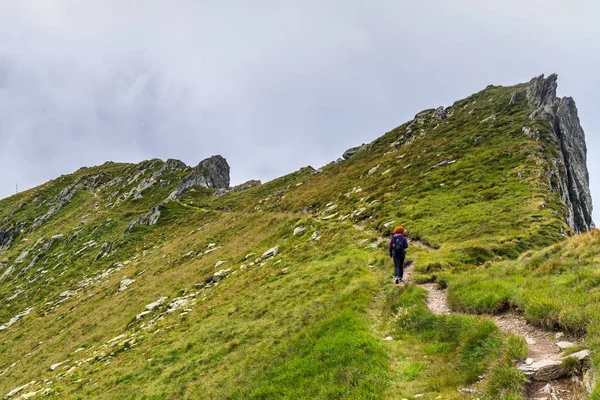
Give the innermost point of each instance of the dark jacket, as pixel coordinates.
(403, 240)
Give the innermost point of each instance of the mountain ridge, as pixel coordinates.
(114, 265)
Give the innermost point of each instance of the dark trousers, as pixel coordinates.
(399, 265)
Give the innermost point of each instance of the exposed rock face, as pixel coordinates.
(7, 236)
(353, 151)
(570, 169)
(150, 218)
(210, 173)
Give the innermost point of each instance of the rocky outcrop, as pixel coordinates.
(210, 173)
(8, 235)
(149, 219)
(351, 152)
(239, 188)
(570, 170)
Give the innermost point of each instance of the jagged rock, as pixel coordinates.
(124, 284)
(514, 98)
(351, 152)
(157, 303)
(589, 381)
(548, 369)
(299, 229)
(443, 163)
(14, 319)
(18, 390)
(239, 188)
(316, 236)
(8, 235)
(272, 252)
(53, 367)
(219, 263)
(373, 170)
(571, 167)
(22, 257)
(150, 218)
(212, 173)
(440, 113)
(492, 117)
(170, 165)
(64, 197)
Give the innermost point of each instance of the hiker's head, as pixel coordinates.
(399, 229)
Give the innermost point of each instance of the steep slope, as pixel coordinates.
(157, 280)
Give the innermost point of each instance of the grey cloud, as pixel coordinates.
(271, 85)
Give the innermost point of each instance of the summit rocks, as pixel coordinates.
(570, 168)
(212, 173)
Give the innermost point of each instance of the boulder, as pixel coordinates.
(211, 173)
(124, 284)
(157, 303)
(351, 152)
(272, 252)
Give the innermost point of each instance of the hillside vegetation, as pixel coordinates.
(112, 287)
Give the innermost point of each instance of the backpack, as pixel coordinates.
(398, 245)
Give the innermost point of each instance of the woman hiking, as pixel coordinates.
(398, 246)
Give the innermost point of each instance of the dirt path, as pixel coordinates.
(542, 345)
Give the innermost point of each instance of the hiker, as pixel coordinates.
(398, 246)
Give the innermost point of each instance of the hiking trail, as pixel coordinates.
(541, 345)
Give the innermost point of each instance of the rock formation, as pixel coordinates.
(570, 169)
(212, 173)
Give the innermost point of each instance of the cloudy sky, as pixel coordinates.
(270, 85)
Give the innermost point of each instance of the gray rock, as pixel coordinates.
(63, 198)
(439, 113)
(149, 219)
(514, 98)
(124, 284)
(239, 188)
(8, 236)
(272, 252)
(570, 169)
(589, 381)
(212, 173)
(157, 303)
(14, 319)
(351, 152)
(299, 229)
(564, 345)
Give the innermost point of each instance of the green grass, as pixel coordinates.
(309, 322)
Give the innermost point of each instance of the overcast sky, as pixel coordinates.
(270, 85)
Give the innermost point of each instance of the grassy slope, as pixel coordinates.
(312, 330)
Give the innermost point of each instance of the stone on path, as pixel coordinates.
(564, 345)
(530, 341)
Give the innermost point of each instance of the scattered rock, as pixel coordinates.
(219, 263)
(15, 319)
(492, 117)
(564, 345)
(559, 335)
(388, 338)
(529, 340)
(124, 284)
(373, 170)
(529, 361)
(316, 236)
(157, 303)
(298, 230)
(272, 252)
(150, 218)
(18, 390)
(58, 365)
(441, 164)
(353, 151)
